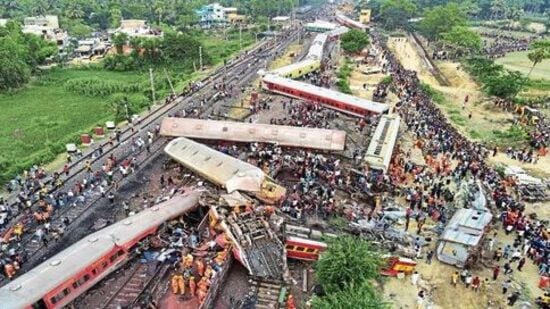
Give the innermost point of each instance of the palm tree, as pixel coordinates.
(74, 11)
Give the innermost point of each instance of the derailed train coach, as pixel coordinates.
(59, 280)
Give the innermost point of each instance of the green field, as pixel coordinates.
(518, 61)
(39, 119)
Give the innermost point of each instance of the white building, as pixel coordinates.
(216, 14)
(48, 28)
(137, 28)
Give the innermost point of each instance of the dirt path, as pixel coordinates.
(435, 278)
(485, 120)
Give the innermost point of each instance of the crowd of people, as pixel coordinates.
(501, 43)
(38, 225)
(437, 138)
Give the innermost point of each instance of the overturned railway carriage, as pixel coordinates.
(311, 63)
(224, 170)
(298, 69)
(312, 138)
(348, 22)
(62, 278)
(317, 48)
(381, 146)
(338, 101)
(336, 33)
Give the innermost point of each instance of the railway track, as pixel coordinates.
(268, 294)
(128, 293)
(245, 63)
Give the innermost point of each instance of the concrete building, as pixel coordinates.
(48, 28)
(215, 14)
(364, 17)
(137, 28)
(90, 47)
(47, 21)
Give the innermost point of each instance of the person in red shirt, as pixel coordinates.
(475, 283)
(496, 271)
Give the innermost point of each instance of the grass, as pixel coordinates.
(39, 119)
(343, 77)
(518, 61)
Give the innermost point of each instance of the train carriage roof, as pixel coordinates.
(338, 31)
(222, 169)
(317, 46)
(62, 267)
(313, 138)
(371, 106)
(381, 146)
(287, 69)
(343, 18)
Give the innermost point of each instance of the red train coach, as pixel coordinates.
(304, 249)
(62, 278)
(341, 102)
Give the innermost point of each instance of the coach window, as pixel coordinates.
(60, 296)
(81, 281)
(116, 255)
(41, 304)
(310, 250)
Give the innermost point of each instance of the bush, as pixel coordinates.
(348, 260)
(343, 86)
(354, 41)
(435, 95)
(353, 296)
(387, 80)
(94, 87)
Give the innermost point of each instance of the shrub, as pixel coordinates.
(94, 87)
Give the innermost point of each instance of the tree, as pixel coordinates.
(396, 13)
(514, 14)
(540, 52)
(462, 39)
(353, 296)
(354, 41)
(20, 55)
(505, 85)
(348, 260)
(438, 20)
(498, 8)
(119, 39)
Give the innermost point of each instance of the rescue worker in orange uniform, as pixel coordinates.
(187, 261)
(208, 272)
(203, 285)
(178, 284)
(290, 302)
(9, 269)
(18, 231)
(200, 267)
(192, 285)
